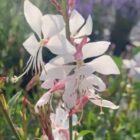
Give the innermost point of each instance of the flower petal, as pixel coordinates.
(42, 101)
(33, 16)
(70, 94)
(104, 65)
(86, 29)
(31, 45)
(128, 63)
(104, 103)
(95, 49)
(135, 73)
(137, 69)
(69, 99)
(60, 72)
(51, 25)
(48, 84)
(47, 67)
(55, 72)
(85, 70)
(61, 117)
(59, 45)
(62, 60)
(96, 82)
(76, 21)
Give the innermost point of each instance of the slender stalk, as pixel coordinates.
(9, 121)
(70, 127)
(66, 18)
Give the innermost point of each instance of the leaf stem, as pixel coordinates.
(7, 117)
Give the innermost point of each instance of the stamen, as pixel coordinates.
(43, 42)
(101, 109)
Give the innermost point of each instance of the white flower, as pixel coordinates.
(133, 65)
(78, 26)
(60, 124)
(45, 98)
(79, 86)
(47, 29)
(102, 64)
(80, 79)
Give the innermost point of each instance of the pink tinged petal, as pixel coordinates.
(48, 84)
(104, 65)
(42, 101)
(62, 60)
(64, 134)
(58, 86)
(76, 21)
(51, 25)
(31, 45)
(59, 45)
(61, 134)
(86, 29)
(104, 103)
(96, 82)
(69, 99)
(33, 16)
(80, 103)
(95, 49)
(129, 63)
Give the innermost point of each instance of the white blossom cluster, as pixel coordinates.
(67, 74)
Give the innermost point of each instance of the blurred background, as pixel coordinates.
(117, 21)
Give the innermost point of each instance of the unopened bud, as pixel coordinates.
(71, 4)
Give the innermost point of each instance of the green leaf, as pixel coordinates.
(14, 99)
(85, 132)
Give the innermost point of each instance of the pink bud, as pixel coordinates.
(81, 102)
(71, 4)
(58, 86)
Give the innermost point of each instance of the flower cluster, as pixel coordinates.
(68, 74)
